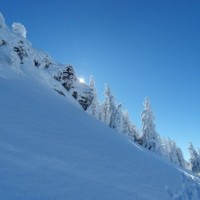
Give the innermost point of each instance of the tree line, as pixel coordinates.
(112, 114)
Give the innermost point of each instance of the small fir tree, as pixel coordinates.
(118, 120)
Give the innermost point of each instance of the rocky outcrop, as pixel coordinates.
(67, 78)
(80, 91)
(21, 55)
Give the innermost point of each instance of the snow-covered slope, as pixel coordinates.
(51, 149)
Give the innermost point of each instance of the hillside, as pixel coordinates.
(50, 148)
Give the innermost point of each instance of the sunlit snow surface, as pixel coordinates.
(51, 149)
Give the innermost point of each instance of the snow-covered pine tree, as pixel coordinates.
(180, 157)
(194, 159)
(108, 107)
(129, 128)
(47, 61)
(165, 148)
(175, 154)
(171, 152)
(94, 106)
(19, 54)
(21, 51)
(117, 120)
(127, 123)
(149, 134)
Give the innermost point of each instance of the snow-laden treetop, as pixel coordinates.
(2, 21)
(19, 29)
(147, 104)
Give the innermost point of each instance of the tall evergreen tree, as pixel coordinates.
(165, 148)
(180, 157)
(108, 107)
(117, 119)
(175, 153)
(94, 106)
(194, 159)
(129, 128)
(150, 136)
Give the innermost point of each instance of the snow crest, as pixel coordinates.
(19, 29)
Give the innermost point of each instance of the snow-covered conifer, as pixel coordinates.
(194, 159)
(94, 106)
(19, 29)
(127, 123)
(150, 136)
(192, 151)
(180, 157)
(21, 51)
(175, 154)
(129, 128)
(118, 119)
(108, 107)
(47, 61)
(165, 148)
(171, 152)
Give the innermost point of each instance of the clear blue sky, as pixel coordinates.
(140, 48)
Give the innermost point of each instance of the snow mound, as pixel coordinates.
(19, 29)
